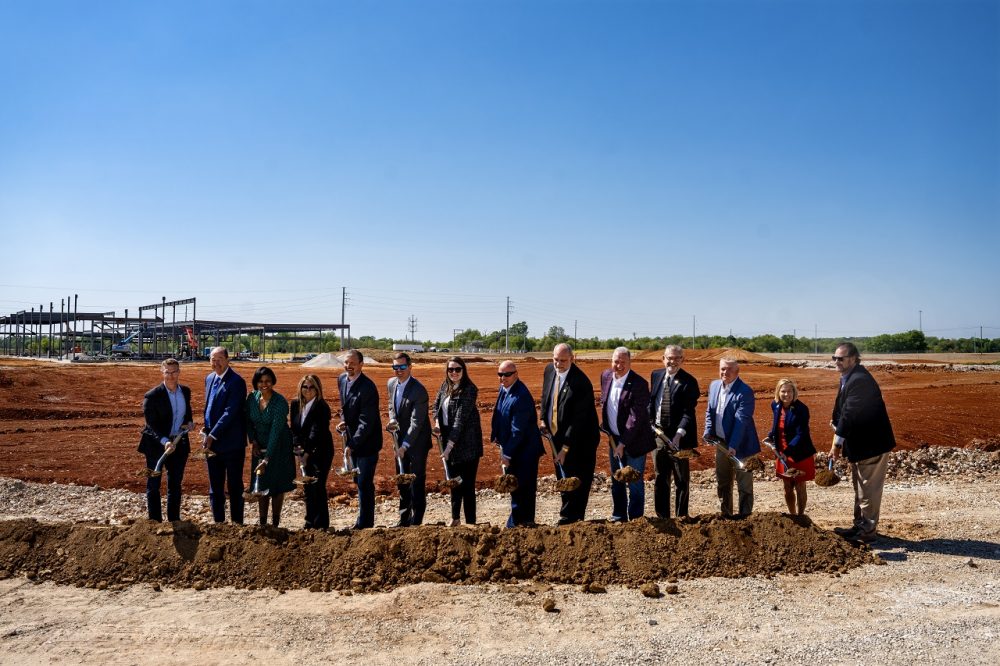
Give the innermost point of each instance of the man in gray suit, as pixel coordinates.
(408, 407)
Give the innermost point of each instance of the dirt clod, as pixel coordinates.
(549, 605)
(650, 590)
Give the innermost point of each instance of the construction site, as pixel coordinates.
(156, 331)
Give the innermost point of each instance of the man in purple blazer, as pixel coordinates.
(625, 416)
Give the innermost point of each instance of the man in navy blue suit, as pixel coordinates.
(729, 417)
(515, 429)
(225, 435)
(408, 407)
(363, 426)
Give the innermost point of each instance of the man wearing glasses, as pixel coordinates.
(672, 403)
(515, 429)
(408, 408)
(864, 436)
(167, 410)
(568, 414)
(362, 426)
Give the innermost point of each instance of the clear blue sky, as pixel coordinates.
(617, 166)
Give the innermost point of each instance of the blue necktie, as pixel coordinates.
(216, 383)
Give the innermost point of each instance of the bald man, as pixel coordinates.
(515, 430)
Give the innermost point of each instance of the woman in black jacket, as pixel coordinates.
(456, 419)
(310, 416)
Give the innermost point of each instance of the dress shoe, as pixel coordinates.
(847, 532)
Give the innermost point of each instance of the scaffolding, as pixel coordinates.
(96, 336)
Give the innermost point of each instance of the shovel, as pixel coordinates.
(675, 452)
(256, 492)
(790, 472)
(302, 456)
(827, 477)
(348, 469)
(721, 446)
(448, 482)
(564, 484)
(402, 478)
(624, 473)
(204, 452)
(507, 483)
(170, 448)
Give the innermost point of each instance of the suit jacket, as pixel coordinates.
(226, 421)
(737, 417)
(414, 426)
(360, 408)
(159, 417)
(633, 413)
(515, 426)
(684, 394)
(313, 433)
(464, 426)
(797, 438)
(860, 417)
(576, 416)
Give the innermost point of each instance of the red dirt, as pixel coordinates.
(80, 423)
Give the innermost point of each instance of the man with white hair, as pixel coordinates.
(729, 418)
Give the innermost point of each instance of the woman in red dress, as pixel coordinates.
(790, 436)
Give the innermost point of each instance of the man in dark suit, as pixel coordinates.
(167, 410)
(363, 425)
(625, 415)
(515, 429)
(672, 403)
(225, 433)
(729, 417)
(408, 408)
(568, 413)
(863, 434)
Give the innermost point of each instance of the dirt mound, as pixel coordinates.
(190, 555)
(707, 355)
(324, 360)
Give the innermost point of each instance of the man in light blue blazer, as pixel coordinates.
(729, 417)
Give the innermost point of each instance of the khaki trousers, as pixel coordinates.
(868, 477)
(725, 473)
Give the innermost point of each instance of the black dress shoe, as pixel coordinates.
(565, 521)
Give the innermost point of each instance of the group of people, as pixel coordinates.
(275, 431)
(637, 417)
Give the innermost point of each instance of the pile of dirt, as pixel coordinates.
(186, 554)
(707, 355)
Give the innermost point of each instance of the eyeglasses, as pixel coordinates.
(454, 369)
(401, 366)
(308, 387)
(506, 374)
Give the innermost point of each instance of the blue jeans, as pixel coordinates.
(366, 490)
(635, 499)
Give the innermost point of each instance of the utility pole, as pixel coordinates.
(343, 309)
(454, 338)
(412, 325)
(506, 331)
(921, 320)
(574, 329)
(694, 320)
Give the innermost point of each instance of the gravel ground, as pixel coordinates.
(934, 599)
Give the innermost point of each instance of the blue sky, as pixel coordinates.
(620, 167)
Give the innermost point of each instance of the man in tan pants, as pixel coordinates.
(864, 436)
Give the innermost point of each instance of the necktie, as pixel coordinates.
(555, 405)
(665, 404)
(211, 396)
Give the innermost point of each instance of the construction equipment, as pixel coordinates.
(124, 348)
(402, 478)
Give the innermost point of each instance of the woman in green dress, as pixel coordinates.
(271, 444)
